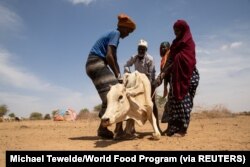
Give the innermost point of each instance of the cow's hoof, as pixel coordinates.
(119, 137)
(156, 136)
(130, 136)
(125, 136)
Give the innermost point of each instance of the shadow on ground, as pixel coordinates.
(101, 143)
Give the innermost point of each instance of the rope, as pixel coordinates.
(153, 93)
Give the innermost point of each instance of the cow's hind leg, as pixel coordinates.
(152, 120)
(130, 129)
(155, 112)
(130, 126)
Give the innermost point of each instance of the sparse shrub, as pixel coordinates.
(54, 112)
(3, 110)
(98, 108)
(86, 114)
(36, 116)
(247, 113)
(12, 115)
(47, 117)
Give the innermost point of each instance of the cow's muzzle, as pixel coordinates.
(105, 122)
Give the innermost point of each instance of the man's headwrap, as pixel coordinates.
(126, 21)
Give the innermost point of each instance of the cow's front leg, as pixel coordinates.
(119, 133)
(128, 133)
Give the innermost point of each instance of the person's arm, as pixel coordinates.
(165, 72)
(165, 91)
(152, 71)
(167, 68)
(129, 63)
(112, 60)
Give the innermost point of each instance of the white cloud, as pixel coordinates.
(9, 20)
(17, 77)
(233, 45)
(202, 51)
(224, 72)
(224, 47)
(85, 2)
(21, 105)
(24, 93)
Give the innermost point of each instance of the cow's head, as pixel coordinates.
(118, 105)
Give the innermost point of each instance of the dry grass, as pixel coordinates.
(247, 113)
(218, 111)
(88, 116)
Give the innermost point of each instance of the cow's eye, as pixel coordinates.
(120, 97)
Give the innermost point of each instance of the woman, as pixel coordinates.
(102, 55)
(164, 53)
(184, 79)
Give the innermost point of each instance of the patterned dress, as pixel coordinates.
(178, 112)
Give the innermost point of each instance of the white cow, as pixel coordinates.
(131, 100)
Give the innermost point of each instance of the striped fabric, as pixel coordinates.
(101, 77)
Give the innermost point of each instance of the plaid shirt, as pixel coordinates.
(144, 65)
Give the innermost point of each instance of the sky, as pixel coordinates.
(44, 47)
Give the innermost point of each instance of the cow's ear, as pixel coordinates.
(125, 79)
(124, 88)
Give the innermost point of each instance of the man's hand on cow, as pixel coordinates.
(120, 78)
(127, 70)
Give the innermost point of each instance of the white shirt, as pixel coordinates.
(144, 65)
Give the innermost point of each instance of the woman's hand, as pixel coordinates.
(157, 82)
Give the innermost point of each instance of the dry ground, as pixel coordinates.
(205, 133)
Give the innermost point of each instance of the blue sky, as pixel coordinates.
(44, 46)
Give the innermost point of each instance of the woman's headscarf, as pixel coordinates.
(164, 57)
(125, 21)
(182, 52)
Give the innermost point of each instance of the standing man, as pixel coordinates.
(143, 63)
(101, 57)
